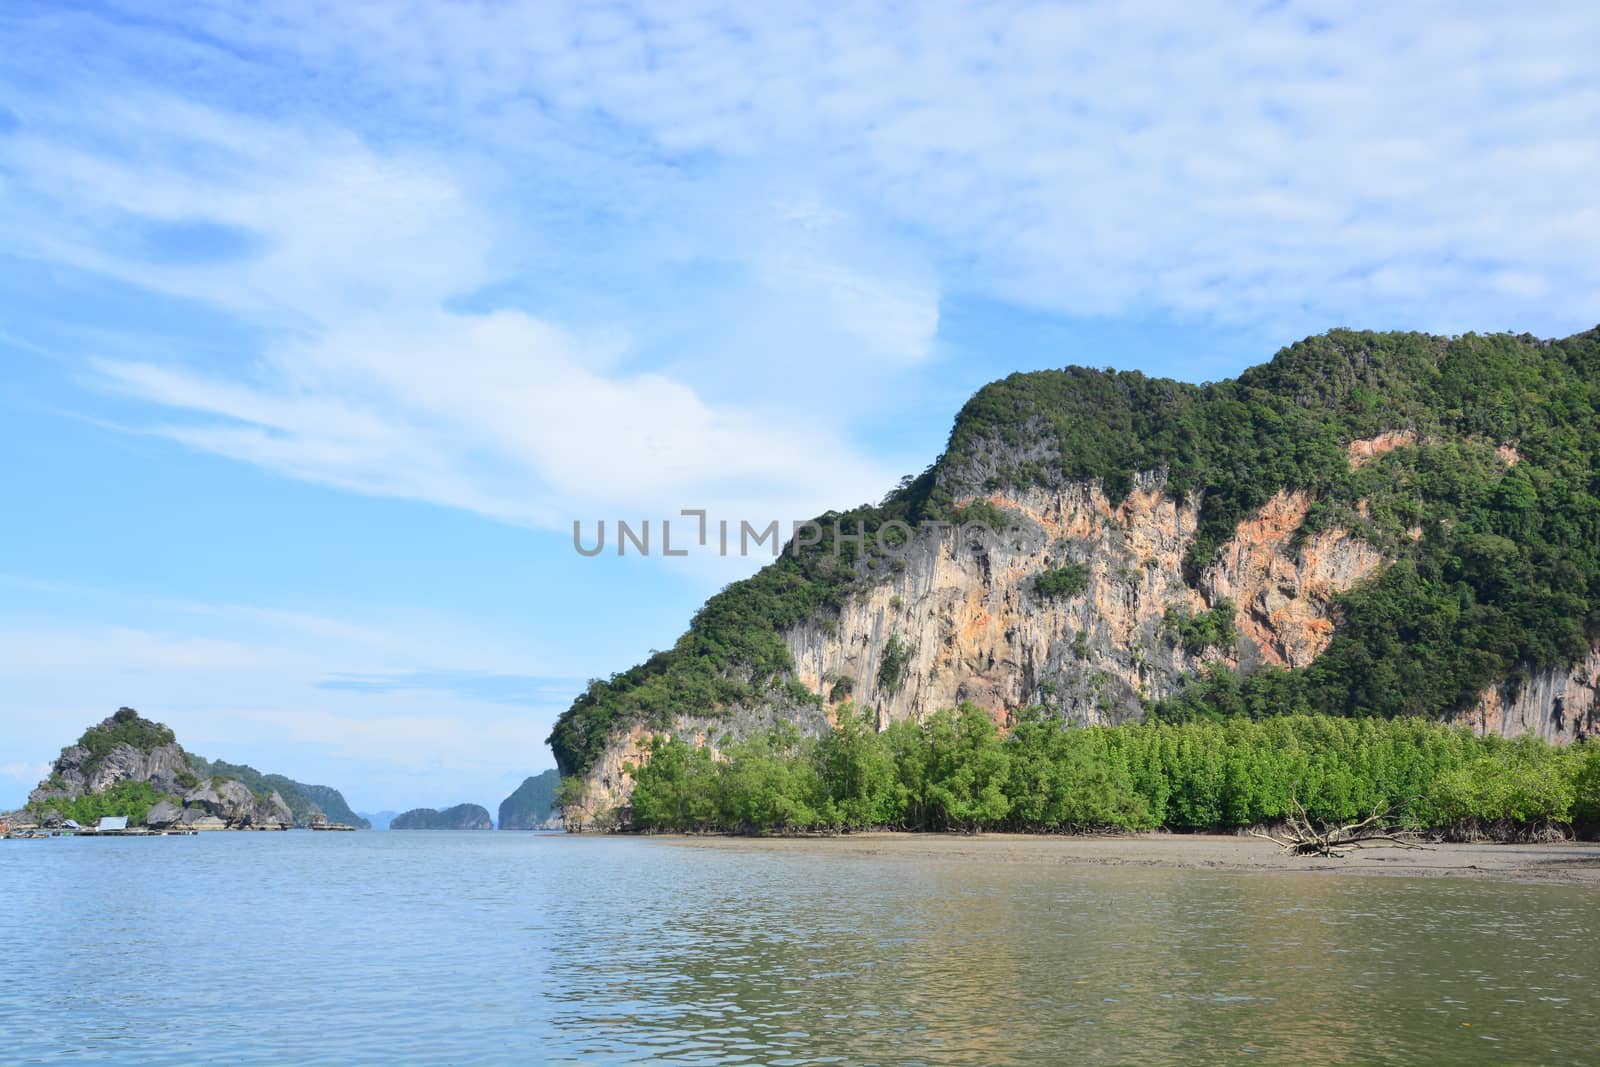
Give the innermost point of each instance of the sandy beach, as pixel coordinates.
(1571, 863)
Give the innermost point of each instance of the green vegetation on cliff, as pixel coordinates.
(733, 652)
(1490, 507)
(1065, 581)
(957, 772)
(1206, 630)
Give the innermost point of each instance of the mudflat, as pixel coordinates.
(1567, 863)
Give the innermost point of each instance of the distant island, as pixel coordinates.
(379, 820)
(460, 817)
(530, 806)
(128, 766)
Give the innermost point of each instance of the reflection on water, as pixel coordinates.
(488, 948)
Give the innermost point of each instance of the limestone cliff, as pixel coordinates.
(77, 771)
(968, 624)
(1558, 704)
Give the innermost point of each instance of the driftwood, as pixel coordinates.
(1301, 838)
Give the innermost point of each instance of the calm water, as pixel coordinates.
(499, 948)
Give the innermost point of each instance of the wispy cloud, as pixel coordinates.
(533, 690)
(538, 260)
(470, 747)
(1238, 161)
(370, 380)
(168, 632)
(497, 414)
(129, 650)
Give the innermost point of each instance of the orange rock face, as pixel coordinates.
(1366, 449)
(1282, 594)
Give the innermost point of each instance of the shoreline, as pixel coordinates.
(1564, 863)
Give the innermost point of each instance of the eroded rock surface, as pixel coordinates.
(1560, 705)
(966, 617)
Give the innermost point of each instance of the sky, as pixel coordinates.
(320, 325)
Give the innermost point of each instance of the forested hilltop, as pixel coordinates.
(1369, 525)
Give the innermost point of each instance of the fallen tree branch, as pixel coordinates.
(1302, 838)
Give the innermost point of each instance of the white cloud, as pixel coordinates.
(1287, 169)
(154, 635)
(1221, 160)
(378, 384)
(498, 414)
(330, 223)
(894, 319)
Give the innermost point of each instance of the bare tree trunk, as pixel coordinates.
(1375, 831)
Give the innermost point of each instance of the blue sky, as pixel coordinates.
(320, 327)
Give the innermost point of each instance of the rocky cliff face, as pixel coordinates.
(239, 808)
(76, 771)
(1560, 705)
(965, 621)
(978, 630)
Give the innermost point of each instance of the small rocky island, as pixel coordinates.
(128, 766)
(460, 817)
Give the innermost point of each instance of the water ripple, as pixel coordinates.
(518, 948)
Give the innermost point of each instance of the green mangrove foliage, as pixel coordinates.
(956, 771)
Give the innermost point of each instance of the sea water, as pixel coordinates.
(469, 948)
